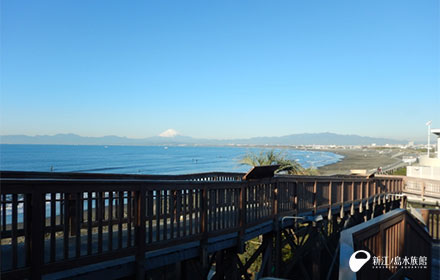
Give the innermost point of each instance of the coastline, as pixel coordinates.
(357, 159)
(360, 158)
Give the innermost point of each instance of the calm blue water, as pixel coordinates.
(141, 159)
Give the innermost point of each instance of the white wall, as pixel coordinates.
(425, 161)
(426, 172)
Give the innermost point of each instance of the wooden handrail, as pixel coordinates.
(132, 214)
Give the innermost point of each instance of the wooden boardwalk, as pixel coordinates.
(149, 221)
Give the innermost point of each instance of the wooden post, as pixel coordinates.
(362, 191)
(37, 236)
(277, 235)
(342, 200)
(315, 203)
(316, 263)
(330, 200)
(342, 192)
(242, 218)
(275, 202)
(204, 228)
(73, 219)
(140, 231)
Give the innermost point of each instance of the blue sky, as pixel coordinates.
(220, 69)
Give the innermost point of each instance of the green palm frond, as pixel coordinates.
(272, 158)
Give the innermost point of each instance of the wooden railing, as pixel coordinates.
(389, 239)
(422, 187)
(431, 218)
(208, 176)
(51, 223)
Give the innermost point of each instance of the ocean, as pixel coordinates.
(142, 159)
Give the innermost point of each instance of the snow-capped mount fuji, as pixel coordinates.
(169, 133)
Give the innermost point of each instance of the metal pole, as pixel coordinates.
(429, 134)
(429, 139)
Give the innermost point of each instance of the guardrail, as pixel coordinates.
(50, 223)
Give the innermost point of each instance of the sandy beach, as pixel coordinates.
(360, 159)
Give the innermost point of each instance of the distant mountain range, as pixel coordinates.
(171, 138)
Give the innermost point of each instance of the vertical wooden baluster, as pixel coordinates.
(237, 207)
(204, 211)
(37, 237)
(270, 202)
(225, 207)
(172, 212)
(262, 200)
(89, 222)
(342, 193)
(179, 208)
(249, 203)
(3, 196)
(220, 209)
(352, 191)
(140, 232)
(110, 220)
(150, 206)
(191, 197)
(97, 206)
(438, 226)
(315, 197)
(234, 208)
(330, 194)
(129, 215)
(78, 202)
(27, 228)
(230, 196)
(214, 209)
(367, 188)
(165, 213)
(258, 197)
(66, 226)
(184, 207)
(101, 216)
(210, 218)
(120, 217)
(217, 209)
(52, 227)
(14, 231)
(158, 212)
(196, 211)
(241, 217)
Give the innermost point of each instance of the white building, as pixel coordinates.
(428, 167)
